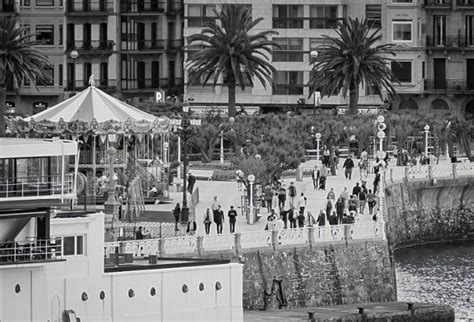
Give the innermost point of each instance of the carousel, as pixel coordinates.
(99, 121)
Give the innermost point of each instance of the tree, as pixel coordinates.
(227, 47)
(19, 60)
(351, 59)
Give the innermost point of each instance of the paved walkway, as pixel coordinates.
(228, 194)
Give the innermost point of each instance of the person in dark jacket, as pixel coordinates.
(348, 165)
(339, 209)
(219, 219)
(321, 218)
(232, 219)
(176, 214)
(191, 182)
(301, 219)
(291, 218)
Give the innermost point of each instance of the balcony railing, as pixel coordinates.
(448, 85)
(143, 44)
(105, 84)
(36, 186)
(438, 3)
(174, 7)
(153, 83)
(465, 3)
(288, 89)
(323, 23)
(15, 252)
(288, 22)
(142, 6)
(100, 6)
(174, 44)
(456, 41)
(91, 45)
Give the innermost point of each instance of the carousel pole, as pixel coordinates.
(94, 165)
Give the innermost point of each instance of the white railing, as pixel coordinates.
(180, 245)
(37, 187)
(255, 239)
(465, 169)
(295, 236)
(30, 251)
(142, 247)
(150, 229)
(435, 171)
(218, 242)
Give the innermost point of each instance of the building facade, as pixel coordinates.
(408, 24)
(133, 48)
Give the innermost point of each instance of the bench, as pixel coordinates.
(203, 174)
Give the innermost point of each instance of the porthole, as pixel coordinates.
(17, 288)
(201, 286)
(131, 293)
(152, 291)
(218, 286)
(102, 295)
(185, 288)
(84, 296)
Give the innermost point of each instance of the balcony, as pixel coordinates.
(288, 23)
(448, 85)
(152, 83)
(79, 85)
(36, 187)
(30, 251)
(323, 23)
(465, 3)
(174, 7)
(434, 4)
(8, 9)
(449, 41)
(175, 45)
(97, 7)
(135, 45)
(288, 89)
(142, 6)
(91, 46)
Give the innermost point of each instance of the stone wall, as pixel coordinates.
(324, 274)
(427, 211)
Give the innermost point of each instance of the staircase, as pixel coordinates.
(148, 180)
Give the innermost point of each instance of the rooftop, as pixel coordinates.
(27, 148)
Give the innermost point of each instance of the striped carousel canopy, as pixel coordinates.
(92, 103)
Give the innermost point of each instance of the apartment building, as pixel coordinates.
(133, 48)
(301, 25)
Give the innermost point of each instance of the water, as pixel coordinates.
(441, 274)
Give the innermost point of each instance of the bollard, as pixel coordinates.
(199, 243)
(237, 239)
(411, 309)
(311, 236)
(361, 310)
(311, 316)
(454, 170)
(430, 172)
(274, 239)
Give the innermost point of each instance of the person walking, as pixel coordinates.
(291, 217)
(301, 219)
(323, 177)
(219, 219)
(176, 215)
(321, 221)
(207, 221)
(371, 201)
(302, 203)
(315, 175)
(232, 214)
(292, 194)
(191, 182)
(340, 209)
(329, 206)
(356, 189)
(192, 227)
(214, 205)
(331, 195)
(281, 197)
(348, 165)
(268, 196)
(362, 200)
(344, 197)
(275, 200)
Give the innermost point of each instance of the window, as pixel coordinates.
(44, 3)
(73, 245)
(288, 16)
(50, 81)
(27, 3)
(291, 49)
(288, 83)
(87, 73)
(439, 30)
(323, 17)
(60, 74)
(45, 34)
(198, 14)
(60, 35)
(402, 71)
(402, 1)
(470, 30)
(373, 14)
(402, 30)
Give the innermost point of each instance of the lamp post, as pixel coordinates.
(222, 148)
(380, 134)
(318, 139)
(251, 179)
(427, 133)
(185, 124)
(179, 158)
(73, 54)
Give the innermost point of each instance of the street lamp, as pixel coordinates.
(73, 54)
(251, 179)
(185, 124)
(380, 134)
(427, 133)
(222, 148)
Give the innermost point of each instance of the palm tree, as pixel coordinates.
(350, 59)
(226, 47)
(19, 60)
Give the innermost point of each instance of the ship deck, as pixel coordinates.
(161, 263)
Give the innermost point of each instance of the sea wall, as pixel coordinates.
(323, 274)
(420, 212)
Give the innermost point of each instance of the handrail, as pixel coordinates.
(37, 186)
(29, 251)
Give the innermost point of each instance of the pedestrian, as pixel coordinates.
(284, 215)
(270, 223)
(321, 221)
(279, 224)
(301, 219)
(139, 233)
(333, 220)
(362, 200)
(214, 205)
(219, 219)
(191, 182)
(340, 209)
(348, 165)
(371, 201)
(315, 175)
(281, 197)
(302, 203)
(292, 194)
(292, 217)
(311, 220)
(352, 204)
(176, 214)
(376, 182)
(326, 155)
(331, 195)
(344, 197)
(207, 221)
(356, 189)
(363, 176)
(192, 227)
(268, 195)
(364, 155)
(275, 200)
(323, 177)
(329, 206)
(232, 214)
